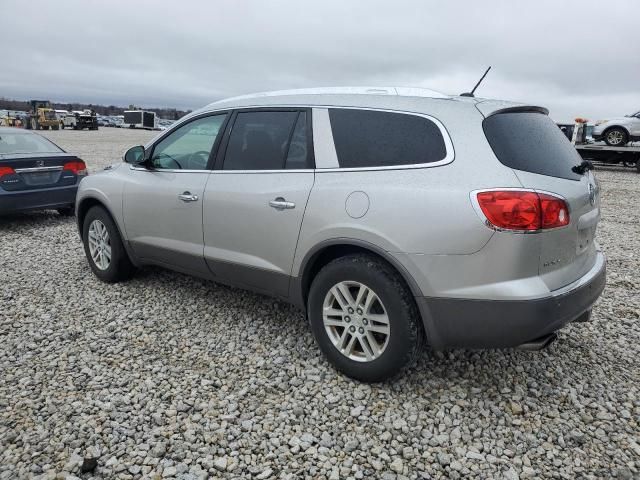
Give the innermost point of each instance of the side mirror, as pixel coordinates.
(135, 155)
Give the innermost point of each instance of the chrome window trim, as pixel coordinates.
(167, 170)
(327, 136)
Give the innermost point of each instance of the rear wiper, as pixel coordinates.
(583, 168)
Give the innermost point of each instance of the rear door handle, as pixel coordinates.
(281, 204)
(187, 197)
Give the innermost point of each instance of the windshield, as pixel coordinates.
(11, 143)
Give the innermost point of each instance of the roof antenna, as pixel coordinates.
(470, 94)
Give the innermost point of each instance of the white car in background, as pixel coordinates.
(617, 132)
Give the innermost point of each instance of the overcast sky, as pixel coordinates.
(578, 58)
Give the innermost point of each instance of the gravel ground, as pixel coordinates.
(171, 376)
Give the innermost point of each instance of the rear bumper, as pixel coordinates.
(59, 197)
(471, 323)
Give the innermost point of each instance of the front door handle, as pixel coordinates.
(281, 204)
(187, 197)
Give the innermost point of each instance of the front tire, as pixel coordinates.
(616, 137)
(364, 318)
(103, 247)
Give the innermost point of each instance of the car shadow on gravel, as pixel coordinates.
(477, 370)
(15, 221)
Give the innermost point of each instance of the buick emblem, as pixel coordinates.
(592, 194)
(39, 163)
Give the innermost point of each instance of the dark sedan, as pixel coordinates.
(36, 174)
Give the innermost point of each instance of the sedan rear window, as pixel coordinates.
(370, 138)
(531, 142)
(16, 143)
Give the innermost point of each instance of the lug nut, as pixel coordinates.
(359, 312)
(350, 310)
(361, 330)
(352, 328)
(347, 319)
(365, 321)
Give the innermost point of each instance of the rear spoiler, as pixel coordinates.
(488, 108)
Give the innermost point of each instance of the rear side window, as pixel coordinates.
(369, 138)
(260, 140)
(531, 142)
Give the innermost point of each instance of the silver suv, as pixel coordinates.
(619, 131)
(390, 216)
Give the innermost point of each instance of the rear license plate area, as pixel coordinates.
(41, 178)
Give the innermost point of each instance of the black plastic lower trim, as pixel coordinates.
(463, 323)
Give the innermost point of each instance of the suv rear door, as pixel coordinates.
(543, 159)
(256, 197)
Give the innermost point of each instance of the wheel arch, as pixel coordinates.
(621, 127)
(329, 250)
(85, 205)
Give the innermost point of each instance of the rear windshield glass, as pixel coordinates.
(11, 143)
(369, 138)
(531, 142)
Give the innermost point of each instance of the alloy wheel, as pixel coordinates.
(615, 137)
(356, 321)
(99, 245)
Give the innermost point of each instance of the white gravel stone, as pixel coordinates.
(171, 375)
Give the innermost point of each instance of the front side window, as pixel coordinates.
(188, 147)
(260, 141)
(370, 138)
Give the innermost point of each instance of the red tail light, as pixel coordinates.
(6, 171)
(78, 167)
(523, 210)
(555, 212)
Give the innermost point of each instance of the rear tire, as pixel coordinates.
(377, 352)
(616, 137)
(119, 266)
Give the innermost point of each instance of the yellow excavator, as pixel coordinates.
(42, 116)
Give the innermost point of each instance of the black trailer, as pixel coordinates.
(629, 156)
(140, 119)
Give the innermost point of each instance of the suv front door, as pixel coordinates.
(256, 197)
(163, 200)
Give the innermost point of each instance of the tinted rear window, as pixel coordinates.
(260, 140)
(367, 138)
(531, 142)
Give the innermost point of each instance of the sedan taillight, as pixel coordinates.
(78, 167)
(523, 210)
(6, 171)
